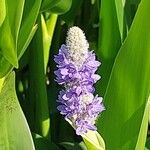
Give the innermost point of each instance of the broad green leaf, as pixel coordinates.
(5, 66)
(129, 86)
(109, 40)
(143, 129)
(92, 139)
(15, 133)
(14, 14)
(10, 29)
(61, 7)
(26, 33)
(2, 11)
(48, 4)
(29, 19)
(7, 44)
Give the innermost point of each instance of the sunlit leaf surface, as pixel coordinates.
(15, 133)
(129, 86)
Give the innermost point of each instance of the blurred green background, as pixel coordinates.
(31, 33)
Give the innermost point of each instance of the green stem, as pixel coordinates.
(38, 84)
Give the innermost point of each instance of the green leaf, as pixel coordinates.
(61, 7)
(2, 11)
(120, 16)
(29, 19)
(109, 40)
(27, 42)
(48, 4)
(48, 28)
(10, 29)
(129, 86)
(5, 66)
(14, 14)
(69, 17)
(26, 33)
(130, 10)
(143, 129)
(7, 44)
(38, 84)
(148, 143)
(15, 133)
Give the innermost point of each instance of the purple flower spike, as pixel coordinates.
(76, 71)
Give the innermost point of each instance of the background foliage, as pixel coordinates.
(31, 32)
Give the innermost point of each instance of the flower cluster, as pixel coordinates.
(76, 71)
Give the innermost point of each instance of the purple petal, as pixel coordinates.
(96, 77)
(64, 71)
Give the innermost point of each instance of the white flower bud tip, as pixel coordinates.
(77, 45)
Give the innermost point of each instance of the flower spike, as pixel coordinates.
(76, 72)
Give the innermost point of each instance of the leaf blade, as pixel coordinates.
(10, 115)
(143, 129)
(128, 87)
(107, 48)
(2, 11)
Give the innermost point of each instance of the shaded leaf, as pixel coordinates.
(28, 40)
(42, 143)
(148, 143)
(69, 17)
(48, 4)
(61, 7)
(74, 146)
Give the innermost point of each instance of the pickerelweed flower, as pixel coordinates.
(76, 72)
